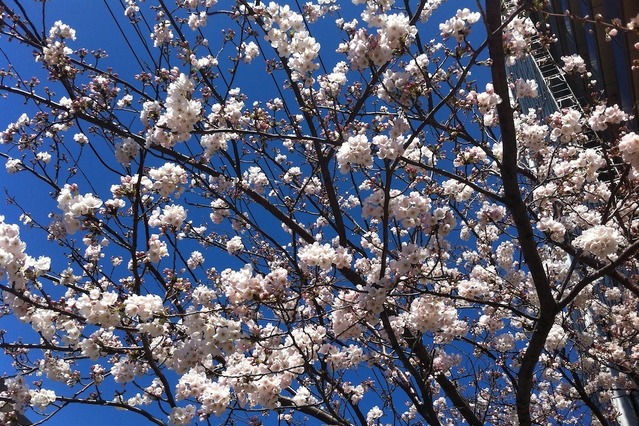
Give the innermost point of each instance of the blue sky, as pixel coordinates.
(96, 29)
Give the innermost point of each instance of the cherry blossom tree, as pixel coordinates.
(312, 214)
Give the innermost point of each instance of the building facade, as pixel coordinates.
(610, 58)
(590, 29)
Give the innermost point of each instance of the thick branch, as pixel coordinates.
(515, 203)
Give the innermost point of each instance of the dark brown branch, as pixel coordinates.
(515, 204)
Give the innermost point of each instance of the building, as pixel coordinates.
(588, 30)
(609, 58)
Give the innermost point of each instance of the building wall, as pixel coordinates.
(609, 59)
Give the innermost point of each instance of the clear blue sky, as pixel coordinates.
(95, 29)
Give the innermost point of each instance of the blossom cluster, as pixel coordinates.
(356, 150)
(56, 53)
(601, 241)
(629, 148)
(75, 206)
(603, 116)
(458, 27)
(518, 37)
(287, 35)
(532, 134)
(324, 256)
(574, 64)
(363, 49)
(526, 88)
(566, 125)
(168, 179)
(486, 102)
(182, 112)
(429, 314)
